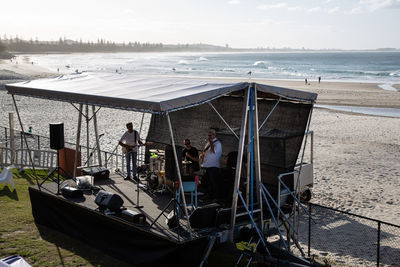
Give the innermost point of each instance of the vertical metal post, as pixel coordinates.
(312, 148)
(179, 173)
(26, 142)
(12, 144)
(97, 134)
(378, 246)
(21, 133)
(78, 139)
(257, 159)
(5, 131)
(239, 161)
(87, 136)
(309, 230)
(38, 142)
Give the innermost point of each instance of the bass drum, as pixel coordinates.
(152, 181)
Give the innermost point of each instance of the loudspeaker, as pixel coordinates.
(56, 136)
(106, 200)
(172, 220)
(205, 216)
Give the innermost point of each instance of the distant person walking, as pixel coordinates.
(306, 81)
(319, 79)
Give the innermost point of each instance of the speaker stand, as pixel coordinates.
(56, 169)
(175, 203)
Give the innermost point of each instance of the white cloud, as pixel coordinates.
(333, 10)
(234, 2)
(373, 5)
(273, 6)
(314, 9)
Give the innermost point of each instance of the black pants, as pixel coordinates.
(212, 176)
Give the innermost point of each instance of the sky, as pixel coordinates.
(312, 24)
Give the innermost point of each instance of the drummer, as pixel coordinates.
(191, 154)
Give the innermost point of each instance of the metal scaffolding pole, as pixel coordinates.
(97, 134)
(179, 173)
(78, 139)
(26, 142)
(257, 158)
(239, 162)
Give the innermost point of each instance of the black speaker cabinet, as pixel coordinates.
(106, 200)
(56, 136)
(170, 165)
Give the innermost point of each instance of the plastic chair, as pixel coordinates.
(6, 176)
(14, 261)
(188, 187)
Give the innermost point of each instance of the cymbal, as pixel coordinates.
(186, 162)
(154, 150)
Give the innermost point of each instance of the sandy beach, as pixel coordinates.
(356, 157)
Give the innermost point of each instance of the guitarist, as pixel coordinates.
(211, 160)
(129, 142)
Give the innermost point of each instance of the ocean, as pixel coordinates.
(380, 67)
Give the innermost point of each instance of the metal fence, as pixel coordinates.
(346, 239)
(44, 157)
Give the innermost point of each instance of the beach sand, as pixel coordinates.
(356, 157)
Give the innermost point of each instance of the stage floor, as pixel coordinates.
(144, 201)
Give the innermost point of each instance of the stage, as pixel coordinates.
(138, 244)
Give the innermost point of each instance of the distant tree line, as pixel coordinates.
(63, 45)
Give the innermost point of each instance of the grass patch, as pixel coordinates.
(20, 235)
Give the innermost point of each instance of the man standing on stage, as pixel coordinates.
(129, 142)
(211, 157)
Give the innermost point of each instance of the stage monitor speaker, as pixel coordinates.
(57, 136)
(107, 200)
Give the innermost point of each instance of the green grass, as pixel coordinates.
(20, 235)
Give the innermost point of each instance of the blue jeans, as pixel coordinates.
(131, 157)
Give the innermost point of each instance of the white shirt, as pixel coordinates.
(213, 159)
(131, 139)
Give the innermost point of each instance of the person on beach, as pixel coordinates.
(190, 153)
(211, 157)
(319, 79)
(129, 142)
(306, 81)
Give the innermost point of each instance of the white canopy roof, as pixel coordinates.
(131, 92)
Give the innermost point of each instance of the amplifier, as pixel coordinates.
(133, 217)
(96, 172)
(106, 200)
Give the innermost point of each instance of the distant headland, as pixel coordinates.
(9, 46)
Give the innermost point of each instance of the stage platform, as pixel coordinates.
(135, 243)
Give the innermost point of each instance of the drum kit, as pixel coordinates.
(156, 175)
(155, 171)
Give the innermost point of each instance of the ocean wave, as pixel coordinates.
(183, 62)
(202, 59)
(395, 73)
(260, 63)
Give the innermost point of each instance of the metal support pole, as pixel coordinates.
(239, 162)
(179, 173)
(97, 134)
(269, 114)
(26, 142)
(12, 143)
(257, 158)
(78, 139)
(87, 136)
(223, 120)
(378, 246)
(309, 231)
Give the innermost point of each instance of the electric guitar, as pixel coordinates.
(129, 149)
